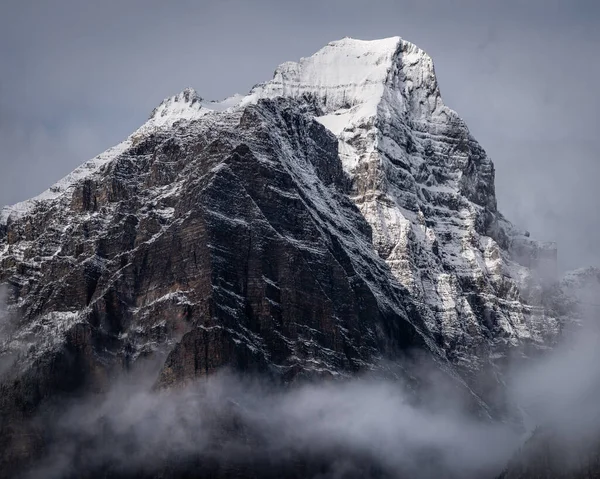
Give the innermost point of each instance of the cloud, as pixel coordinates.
(242, 421)
(393, 425)
(79, 77)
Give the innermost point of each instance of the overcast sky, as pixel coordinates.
(78, 76)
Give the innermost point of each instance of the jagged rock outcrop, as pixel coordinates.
(426, 188)
(243, 236)
(337, 215)
(214, 244)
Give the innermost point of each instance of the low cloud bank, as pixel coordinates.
(236, 420)
(361, 427)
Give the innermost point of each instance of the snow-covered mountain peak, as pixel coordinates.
(423, 183)
(349, 78)
(344, 74)
(247, 222)
(185, 105)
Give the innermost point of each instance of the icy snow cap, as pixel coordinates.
(343, 73)
(187, 105)
(347, 78)
(184, 105)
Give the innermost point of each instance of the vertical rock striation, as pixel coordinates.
(337, 215)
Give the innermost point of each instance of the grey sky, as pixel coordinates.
(78, 76)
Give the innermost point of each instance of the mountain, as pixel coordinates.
(337, 217)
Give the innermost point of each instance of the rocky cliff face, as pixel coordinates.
(426, 188)
(337, 215)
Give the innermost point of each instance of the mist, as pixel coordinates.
(238, 420)
(522, 75)
(353, 426)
